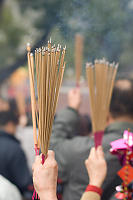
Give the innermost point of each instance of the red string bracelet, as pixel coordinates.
(93, 188)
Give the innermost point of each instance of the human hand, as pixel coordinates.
(45, 177)
(96, 166)
(74, 98)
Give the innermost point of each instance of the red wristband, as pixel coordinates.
(93, 188)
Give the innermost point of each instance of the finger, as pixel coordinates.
(50, 161)
(74, 91)
(38, 159)
(86, 163)
(71, 91)
(51, 155)
(92, 152)
(77, 90)
(100, 152)
(36, 162)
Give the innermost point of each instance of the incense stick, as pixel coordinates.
(30, 65)
(100, 78)
(49, 74)
(78, 57)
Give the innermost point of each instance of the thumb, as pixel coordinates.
(100, 152)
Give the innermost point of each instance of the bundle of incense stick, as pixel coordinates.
(49, 67)
(78, 56)
(100, 78)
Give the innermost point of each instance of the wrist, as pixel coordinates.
(96, 183)
(95, 189)
(48, 196)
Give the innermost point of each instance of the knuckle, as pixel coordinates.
(54, 164)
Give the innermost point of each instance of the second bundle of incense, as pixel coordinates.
(100, 78)
(48, 65)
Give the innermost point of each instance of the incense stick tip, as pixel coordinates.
(111, 65)
(96, 61)
(31, 54)
(117, 65)
(88, 64)
(49, 50)
(28, 47)
(64, 65)
(107, 63)
(28, 44)
(104, 60)
(101, 61)
(40, 50)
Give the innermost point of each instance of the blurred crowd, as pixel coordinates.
(74, 169)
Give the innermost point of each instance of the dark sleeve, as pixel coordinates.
(19, 171)
(64, 128)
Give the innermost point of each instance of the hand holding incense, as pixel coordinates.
(49, 67)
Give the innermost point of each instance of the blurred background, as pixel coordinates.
(106, 26)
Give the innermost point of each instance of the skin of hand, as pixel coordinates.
(96, 166)
(45, 176)
(74, 98)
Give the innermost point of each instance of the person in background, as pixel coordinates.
(71, 151)
(82, 127)
(13, 163)
(85, 126)
(45, 176)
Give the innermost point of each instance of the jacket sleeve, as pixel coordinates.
(90, 196)
(64, 128)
